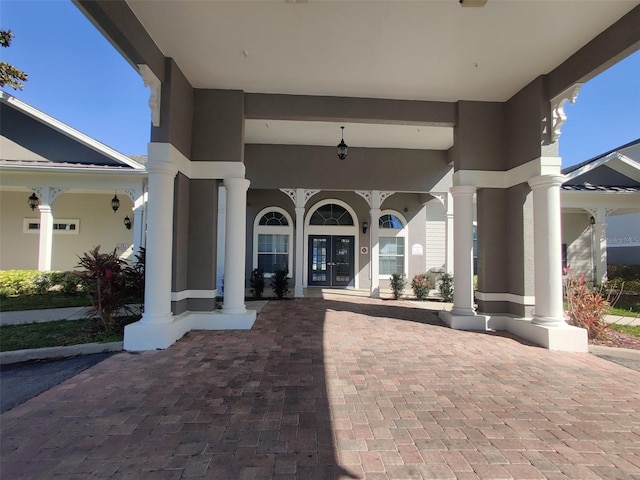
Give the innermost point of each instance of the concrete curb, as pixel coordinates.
(49, 353)
(625, 353)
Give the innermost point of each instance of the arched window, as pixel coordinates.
(331, 214)
(272, 234)
(392, 243)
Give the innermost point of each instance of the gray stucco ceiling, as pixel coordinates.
(427, 50)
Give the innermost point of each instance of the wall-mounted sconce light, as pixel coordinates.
(127, 222)
(115, 203)
(33, 201)
(365, 226)
(592, 221)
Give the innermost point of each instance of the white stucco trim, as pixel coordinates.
(506, 297)
(201, 170)
(184, 294)
(509, 178)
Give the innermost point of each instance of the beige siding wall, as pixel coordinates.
(576, 233)
(99, 225)
(436, 240)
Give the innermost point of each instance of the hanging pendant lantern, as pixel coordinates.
(342, 147)
(115, 203)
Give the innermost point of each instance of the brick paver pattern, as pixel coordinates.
(339, 388)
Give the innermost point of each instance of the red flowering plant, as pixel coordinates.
(421, 286)
(586, 306)
(105, 282)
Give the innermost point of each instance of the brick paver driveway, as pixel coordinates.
(343, 388)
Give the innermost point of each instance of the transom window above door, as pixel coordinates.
(331, 214)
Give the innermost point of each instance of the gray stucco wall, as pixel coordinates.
(520, 272)
(276, 166)
(492, 240)
(180, 260)
(176, 111)
(479, 136)
(203, 231)
(218, 125)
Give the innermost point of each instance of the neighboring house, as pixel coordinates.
(251, 97)
(72, 180)
(601, 212)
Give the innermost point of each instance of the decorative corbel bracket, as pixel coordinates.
(150, 80)
(558, 117)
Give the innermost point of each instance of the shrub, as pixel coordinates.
(20, 282)
(134, 275)
(398, 282)
(446, 287)
(421, 286)
(280, 283)
(257, 283)
(623, 272)
(106, 284)
(586, 307)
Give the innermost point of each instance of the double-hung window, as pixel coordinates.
(391, 240)
(272, 241)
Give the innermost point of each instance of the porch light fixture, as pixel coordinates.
(127, 222)
(115, 203)
(342, 147)
(592, 221)
(33, 201)
(365, 226)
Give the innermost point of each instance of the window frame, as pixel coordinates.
(273, 230)
(393, 233)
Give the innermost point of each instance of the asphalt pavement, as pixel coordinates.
(22, 381)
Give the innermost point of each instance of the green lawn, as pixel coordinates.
(54, 334)
(44, 301)
(628, 329)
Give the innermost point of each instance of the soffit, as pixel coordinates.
(426, 50)
(422, 50)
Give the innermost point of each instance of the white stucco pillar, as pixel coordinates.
(547, 250)
(138, 223)
(449, 234)
(157, 295)
(298, 290)
(463, 249)
(374, 231)
(600, 243)
(235, 245)
(46, 235)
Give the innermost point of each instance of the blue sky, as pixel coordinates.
(74, 73)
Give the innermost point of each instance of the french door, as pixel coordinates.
(331, 260)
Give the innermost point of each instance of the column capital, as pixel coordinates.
(236, 183)
(462, 190)
(546, 181)
(161, 167)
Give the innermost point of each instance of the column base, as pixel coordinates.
(240, 310)
(558, 336)
(458, 321)
(549, 321)
(298, 291)
(155, 335)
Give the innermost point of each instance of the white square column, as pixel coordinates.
(298, 290)
(45, 245)
(374, 232)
